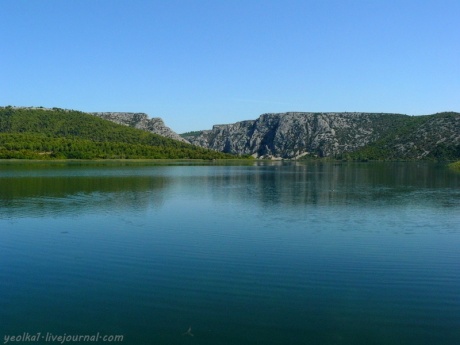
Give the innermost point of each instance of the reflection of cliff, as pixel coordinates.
(78, 194)
(329, 184)
(274, 184)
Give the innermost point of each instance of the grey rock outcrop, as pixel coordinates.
(141, 121)
(295, 134)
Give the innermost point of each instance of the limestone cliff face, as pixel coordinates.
(291, 135)
(141, 121)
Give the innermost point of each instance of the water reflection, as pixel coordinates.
(71, 189)
(337, 184)
(43, 195)
(283, 253)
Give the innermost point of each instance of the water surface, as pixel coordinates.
(312, 253)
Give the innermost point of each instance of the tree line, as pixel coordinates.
(62, 134)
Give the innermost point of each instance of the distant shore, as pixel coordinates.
(129, 161)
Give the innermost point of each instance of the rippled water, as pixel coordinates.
(313, 253)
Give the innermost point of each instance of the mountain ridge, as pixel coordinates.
(141, 121)
(41, 133)
(290, 135)
(293, 135)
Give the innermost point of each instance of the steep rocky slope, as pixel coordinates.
(293, 135)
(290, 135)
(141, 121)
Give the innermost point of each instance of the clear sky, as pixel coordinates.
(196, 63)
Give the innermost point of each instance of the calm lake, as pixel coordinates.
(264, 253)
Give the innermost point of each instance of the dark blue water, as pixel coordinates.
(313, 253)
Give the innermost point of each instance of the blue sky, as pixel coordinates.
(199, 63)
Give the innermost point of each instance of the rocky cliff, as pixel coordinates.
(141, 121)
(293, 135)
(290, 135)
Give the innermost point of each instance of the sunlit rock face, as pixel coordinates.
(295, 134)
(141, 121)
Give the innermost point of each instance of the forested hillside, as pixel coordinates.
(36, 133)
(435, 137)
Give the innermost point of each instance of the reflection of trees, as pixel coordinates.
(76, 194)
(310, 183)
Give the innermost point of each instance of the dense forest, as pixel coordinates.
(35, 133)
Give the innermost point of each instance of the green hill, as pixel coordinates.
(433, 137)
(35, 133)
